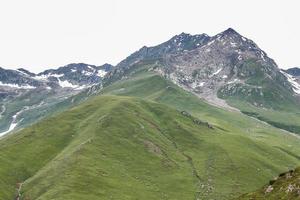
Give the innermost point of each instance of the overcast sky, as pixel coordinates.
(40, 34)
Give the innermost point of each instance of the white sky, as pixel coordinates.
(40, 34)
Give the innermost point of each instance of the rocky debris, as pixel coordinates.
(185, 113)
(195, 120)
(226, 62)
(269, 189)
(152, 148)
(287, 174)
(290, 188)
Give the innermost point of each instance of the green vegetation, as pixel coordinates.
(263, 95)
(284, 119)
(285, 186)
(132, 141)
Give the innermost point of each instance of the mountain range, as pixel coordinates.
(196, 117)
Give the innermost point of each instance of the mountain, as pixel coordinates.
(230, 66)
(227, 70)
(75, 76)
(165, 144)
(295, 71)
(225, 66)
(284, 186)
(27, 97)
(162, 124)
(293, 75)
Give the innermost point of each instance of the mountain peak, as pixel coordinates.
(184, 34)
(230, 31)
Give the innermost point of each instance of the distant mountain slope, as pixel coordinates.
(75, 75)
(295, 71)
(27, 97)
(285, 186)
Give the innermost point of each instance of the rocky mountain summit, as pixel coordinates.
(225, 66)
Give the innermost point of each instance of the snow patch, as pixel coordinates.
(12, 125)
(87, 73)
(208, 44)
(57, 75)
(17, 86)
(91, 68)
(234, 81)
(262, 55)
(21, 72)
(196, 84)
(42, 77)
(233, 44)
(292, 80)
(66, 84)
(218, 71)
(101, 73)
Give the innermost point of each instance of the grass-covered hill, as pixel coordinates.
(285, 186)
(133, 141)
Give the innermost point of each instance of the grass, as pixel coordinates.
(285, 186)
(284, 119)
(132, 142)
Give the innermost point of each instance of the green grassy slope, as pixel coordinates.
(129, 148)
(125, 149)
(264, 95)
(142, 147)
(35, 105)
(286, 186)
(288, 119)
(151, 86)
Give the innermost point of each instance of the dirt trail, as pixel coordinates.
(19, 188)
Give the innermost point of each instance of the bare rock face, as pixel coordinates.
(227, 65)
(217, 68)
(179, 43)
